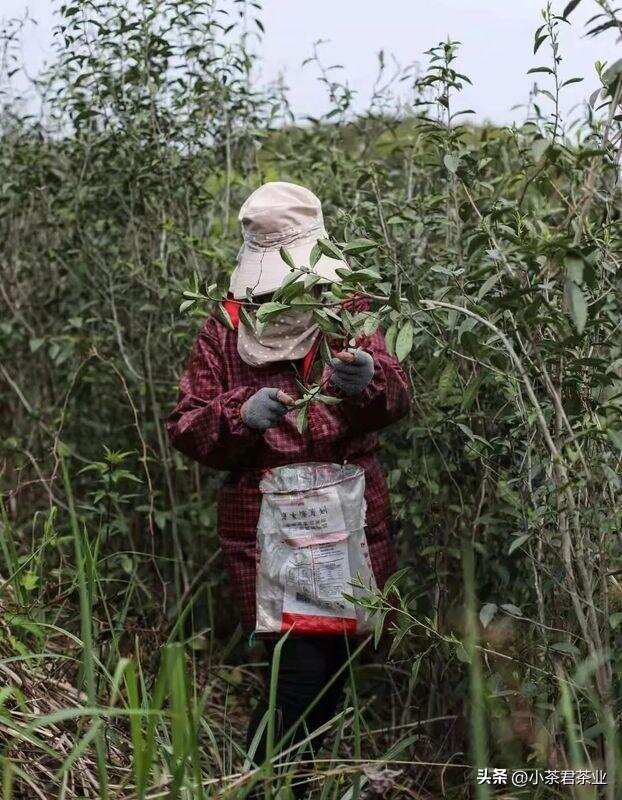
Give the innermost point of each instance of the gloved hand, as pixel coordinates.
(265, 408)
(352, 370)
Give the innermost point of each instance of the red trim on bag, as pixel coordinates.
(314, 623)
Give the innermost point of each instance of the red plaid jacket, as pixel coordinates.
(206, 426)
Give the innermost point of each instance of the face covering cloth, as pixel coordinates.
(288, 337)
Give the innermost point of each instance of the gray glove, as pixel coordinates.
(352, 371)
(265, 408)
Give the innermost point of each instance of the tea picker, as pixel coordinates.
(304, 511)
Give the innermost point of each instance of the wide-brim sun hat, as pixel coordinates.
(277, 215)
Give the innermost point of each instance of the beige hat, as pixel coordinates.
(279, 215)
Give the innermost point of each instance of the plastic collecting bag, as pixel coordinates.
(311, 546)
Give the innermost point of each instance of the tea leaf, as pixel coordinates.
(577, 304)
(404, 340)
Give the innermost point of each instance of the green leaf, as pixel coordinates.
(378, 626)
(223, 316)
(35, 344)
(366, 276)
(516, 543)
(290, 278)
(325, 351)
(398, 638)
(302, 419)
(452, 163)
(329, 249)
(539, 148)
(612, 73)
(185, 306)
(488, 284)
(538, 38)
(546, 70)
(314, 255)
(574, 269)
(615, 619)
(395, 300)
(246, 319)
(577, 304)
(487, 613)
(511, 609)
(370, 326)
(394, 579)
(462, 654)
(612, 477)
(358, 246)
(390, 338)
(466, 430)
(570, 8)
(446, 381)
(548, 94)
(327, 399)
(470, 393)
(266, 310)
(327, 321)
(615, 437)
(565, 647)
(345, 273)
(29, 581)
(404, 340)
(612, 23)
(292, 291)
(287, 258)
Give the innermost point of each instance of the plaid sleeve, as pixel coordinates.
(206, 424)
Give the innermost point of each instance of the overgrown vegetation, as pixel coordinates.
(492, 255)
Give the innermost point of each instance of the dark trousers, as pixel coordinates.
(307, 664)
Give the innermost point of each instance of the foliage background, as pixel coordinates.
(125, 673)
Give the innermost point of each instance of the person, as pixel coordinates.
(234, 413)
